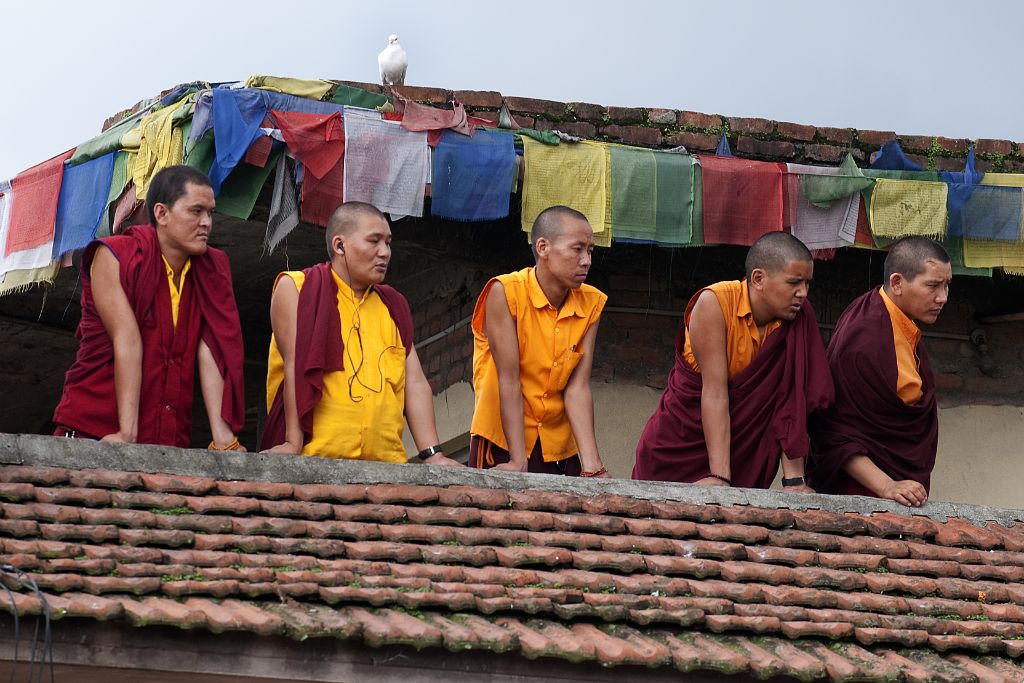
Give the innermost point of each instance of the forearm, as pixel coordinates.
(293, 428)
(717, 434)
(867, 474)
(510, 398)
(211, 383)
(579, 408)
(128, 385)
(419, 412)
(792, 467)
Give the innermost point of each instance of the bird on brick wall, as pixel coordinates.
(392, 63)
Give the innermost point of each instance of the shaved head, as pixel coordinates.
(551, 223)
(909, 257)
(773, 251)
(347, 217)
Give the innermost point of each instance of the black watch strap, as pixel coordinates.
(793, 481)
(428, 452)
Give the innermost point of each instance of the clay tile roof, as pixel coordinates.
(629, 577)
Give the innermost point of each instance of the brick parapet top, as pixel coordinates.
(670, 127)
(48, 451)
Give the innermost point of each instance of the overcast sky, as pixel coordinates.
(931, 67)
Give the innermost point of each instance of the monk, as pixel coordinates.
(749, 368)
(880, 437)
(534, 333)
(157, 301)
(343, 373)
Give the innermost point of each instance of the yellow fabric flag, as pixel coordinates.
(162, 145)
(1004, 179)
(570, 174)
(985, 254)
(314, 90)
(20, 280)
(908, 207)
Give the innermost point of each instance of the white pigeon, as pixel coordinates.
(392, 63)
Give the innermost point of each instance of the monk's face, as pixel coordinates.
(923, 297)
(567, 257)
(783, 291)
(368, 252)
(185, 226)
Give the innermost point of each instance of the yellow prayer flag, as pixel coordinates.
(908, 207)
(569, 174)
(162, 145)
(312, 89)
(1004, 179)
(987, 254)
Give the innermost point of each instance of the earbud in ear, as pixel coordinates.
(341, 248)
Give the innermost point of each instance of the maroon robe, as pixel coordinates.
(768, 406)
(206, 311)
(319, 348)
(868, 417)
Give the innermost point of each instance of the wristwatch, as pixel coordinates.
(793, 481)
(428, 452)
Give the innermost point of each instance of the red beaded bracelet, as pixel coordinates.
(595, 473)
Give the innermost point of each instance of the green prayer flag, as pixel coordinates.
(357, 97)
(822, 190)
(106, 142)
(652, 195)
(202, 154)
(242, 188)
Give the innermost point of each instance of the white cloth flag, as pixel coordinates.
(25, 259)
(385, 165)
(828, 228)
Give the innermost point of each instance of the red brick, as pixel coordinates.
(791, 538)
(875, 138)
(699, 121)
(797, 630)
(106, 479)
(693, 141)
(1012, 538)
(396, 494)
(741, 533)
(530, 105)
(954, 144)
(864, 561)
(906, 638)
(990, 146)
(162, 537)
(74, 496)
(590, 112)
(172, 483)
(750, 125)
(625, 114)
(784, 556)
(956, 532)
(295, 508)
(824, 153)
(116, 584)
(549, 501)
(232, 505)
(612, 504)
(700, 652)
(744, 514)
(255, 489)
(17, 491)
(724, 622)
(596, 560)
(19, 528)
(873, 546)
(43, 476)
(261, 526)
(765, 149)
(926, 567)
(385, 514)
(822, 521)
(487, 99)
(671, 509)
(444, 515)
(662, 117)
(331, 493)
(43, 512)
(634, 135)
(947, 164)
(118, 517)
(896, 583)
(145, 499)
(796, 131)
(842, 136)
(886, 524)
(580, 129)
(422, 94)
(916, 142)
(86, 532)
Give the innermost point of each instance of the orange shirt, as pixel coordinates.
(361, 414)
(905, 336)
(742, 338)
(549, 350)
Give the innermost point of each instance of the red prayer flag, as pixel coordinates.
(34, 208)
(743, 199)
(318, 141)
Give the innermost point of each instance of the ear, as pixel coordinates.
(896, 283)
(757, 277)
(543, 247)
(160, 211)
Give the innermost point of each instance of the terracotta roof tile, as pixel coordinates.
(609, 578)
